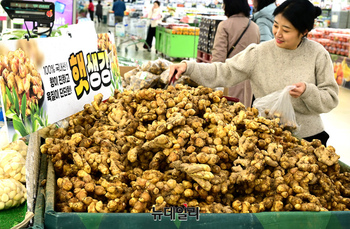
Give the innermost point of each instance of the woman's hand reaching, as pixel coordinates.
(298, 90)
(180, 68)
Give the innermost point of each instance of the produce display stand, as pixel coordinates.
(337, 42)
(176, 46)
(46, 216)
(160, 46)
(341, 70)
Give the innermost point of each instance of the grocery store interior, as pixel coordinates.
(55, 176)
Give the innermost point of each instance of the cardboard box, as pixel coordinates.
(124, 69)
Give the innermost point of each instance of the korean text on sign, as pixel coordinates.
(181, 213)
(94, 75)
(80, 77)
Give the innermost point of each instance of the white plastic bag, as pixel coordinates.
(119, 30)
(12, 193)
(278, 105)
(12, 165)
(19, 146)
(156, 66)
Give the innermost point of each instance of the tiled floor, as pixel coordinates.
(337, 122)
(141, 54)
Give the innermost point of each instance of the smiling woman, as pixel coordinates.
(286, 35)
(289, 59)
(293, 20)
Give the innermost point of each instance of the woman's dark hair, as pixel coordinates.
(158, 3)
(233, 7)
(301, 13)
(263, 3)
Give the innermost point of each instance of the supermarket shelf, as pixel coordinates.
(341, 70)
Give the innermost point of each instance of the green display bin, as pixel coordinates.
(160, 39)
(285, 220)
(264, 220)
(159, 33)
(181, 46)
(176, 46)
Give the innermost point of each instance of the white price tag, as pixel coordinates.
(143, 75)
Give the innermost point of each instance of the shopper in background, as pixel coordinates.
(263, 17)
(119, 8)
(289, 59)
(91, 8)
(99, 11)
(237, 28)
(155, 14)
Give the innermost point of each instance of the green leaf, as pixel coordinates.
(46, 119)
(32, 118)
(10, 113)
(16, 101)
(26, 122)
(63, 26)
(24, 105)
(9, 95)
(19, 126)
(32, 109)
(39, 120)
(37, 110)
(41, 112)
(34, 125)
(17, 34)
(15, 137)
(5, 101)
(28, 127)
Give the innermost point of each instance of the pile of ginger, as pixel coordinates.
(157, 148)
